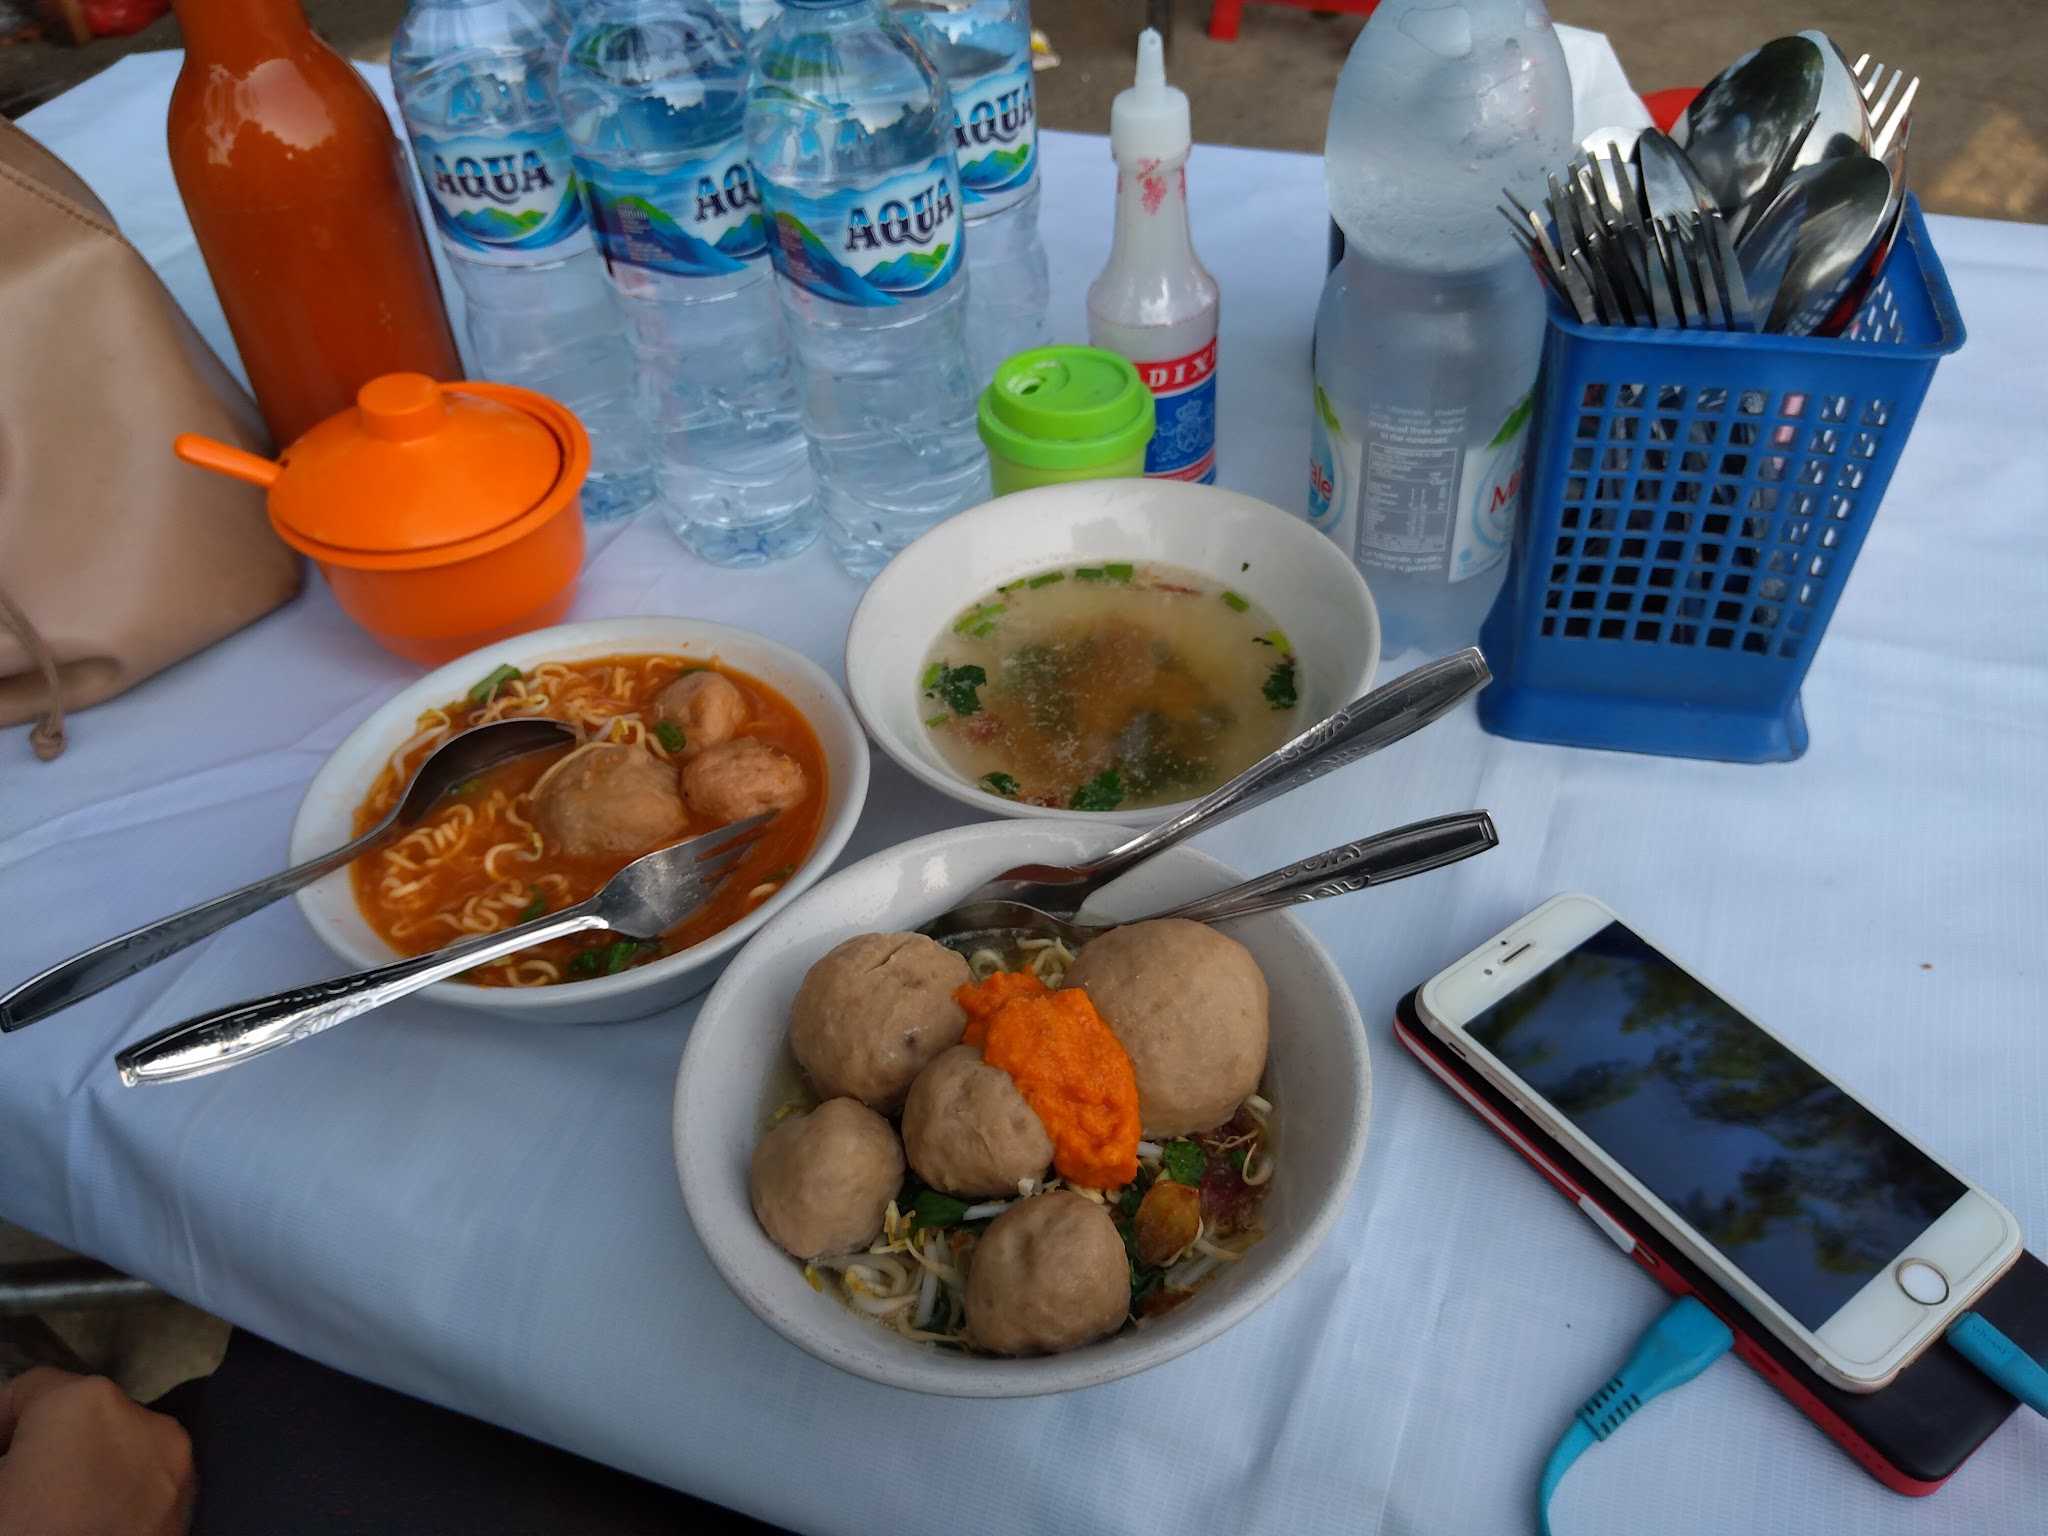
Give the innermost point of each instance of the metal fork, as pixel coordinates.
(1888, 107)
(644, 900)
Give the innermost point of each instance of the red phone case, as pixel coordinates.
(1911, 1436)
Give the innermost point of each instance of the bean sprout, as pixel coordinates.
(928, 1287)
(986, 1209)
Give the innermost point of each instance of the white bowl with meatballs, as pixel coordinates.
(682, 726)
(1006, 1169)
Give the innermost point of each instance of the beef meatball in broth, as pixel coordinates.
(821, 1183)
(743, 778)
(704, 706)
(1189, 1005)
(608, 800)
(873, 1012)
(968, 1131)
(1049, 1274)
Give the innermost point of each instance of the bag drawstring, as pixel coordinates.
(48, 736)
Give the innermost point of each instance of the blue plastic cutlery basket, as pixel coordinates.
(1695, 502)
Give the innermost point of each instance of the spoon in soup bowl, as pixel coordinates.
(1390, 713)
(1411, 850)
(646, 899)
(458, 759)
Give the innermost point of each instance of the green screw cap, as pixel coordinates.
(1066, 408)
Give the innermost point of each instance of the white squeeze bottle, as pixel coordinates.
(1155, 303)
(1430, 328)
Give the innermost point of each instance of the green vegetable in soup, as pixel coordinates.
(1046, 580)
(1118, 570)
(979, 621)
(669, 734)
(1104, 792)
(1184, 1162)
(955, 687)
(1235, 603)
(1088, 573)
(1001, 784)
(932, 1209)
(538, 907)
(1279, 689)
(487, 687)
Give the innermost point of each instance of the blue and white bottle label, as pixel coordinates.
(699, 219)
(509, 199)
(995, 136)
(870, 246)
(1183, 445)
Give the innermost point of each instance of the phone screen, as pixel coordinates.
(1796, 1183)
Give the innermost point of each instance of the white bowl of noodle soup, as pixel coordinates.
(737, 1068)
(326, 815)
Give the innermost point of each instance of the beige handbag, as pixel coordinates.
(115, 559)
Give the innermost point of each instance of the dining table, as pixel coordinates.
(483, 1212)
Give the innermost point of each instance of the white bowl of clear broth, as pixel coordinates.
(739, 1075)
(1110, 647)
(485, 858)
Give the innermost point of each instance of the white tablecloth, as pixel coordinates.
(485, 1214)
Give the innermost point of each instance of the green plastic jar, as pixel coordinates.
(1055, 414)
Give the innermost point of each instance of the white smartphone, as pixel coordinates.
(1840, 1235)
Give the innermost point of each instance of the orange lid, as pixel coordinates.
(416, 465)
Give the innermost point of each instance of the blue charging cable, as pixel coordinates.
(1978, 1341)
(1679, 1345)
(1688, 1338)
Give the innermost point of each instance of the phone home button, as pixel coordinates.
(1922, 1281)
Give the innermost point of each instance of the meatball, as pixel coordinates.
(1189, 1004)
(968, 1131)
(607, 800)
(704, 706)
(873, 1013)
(743, 778)
(1049, 1274)
(821, 1182)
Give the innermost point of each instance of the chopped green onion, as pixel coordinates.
(1119, 571)
(1234, 603)
(1278, 640)
(1104, 792)
(1088, 573)
(1001, 784)
(1046, 580)
(538, 907)
(466, 787)
(669, 734)
(1184, 1162)
(487, 687)
(980, 620)
(587, 963)
(623, 954)
(783, 873)
(1237, 1158)
(932, 674)
(935, 721)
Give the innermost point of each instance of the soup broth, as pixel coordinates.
(1099, 688)
(479, 863)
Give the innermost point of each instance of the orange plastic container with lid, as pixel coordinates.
(444, 516)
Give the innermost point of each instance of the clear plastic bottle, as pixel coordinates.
(474, 81)
(749, 17)
(983, 48)
(653, 96)
(850, 133)
(1155, 303)
(1430, 330)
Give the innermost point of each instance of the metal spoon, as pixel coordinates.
(642, 901)
(1390, 713)
(1742, 119)
(1410, 850)
(1848, 202)
(1766, 247)
(456, 759)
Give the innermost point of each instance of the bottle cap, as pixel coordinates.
(1150, 120)
(1067, 409)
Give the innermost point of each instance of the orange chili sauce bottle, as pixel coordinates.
(301, 198)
